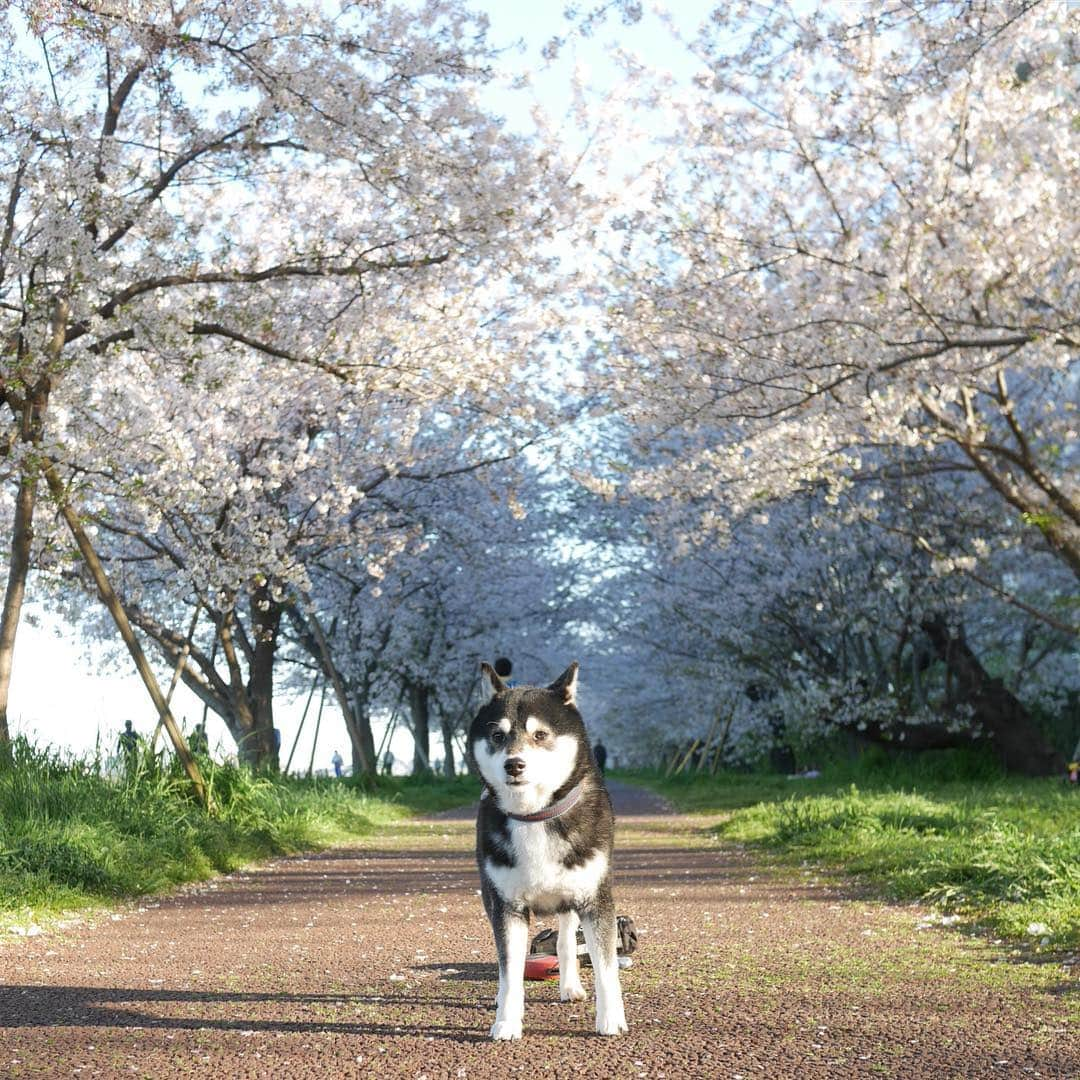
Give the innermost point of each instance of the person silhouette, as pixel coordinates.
(198, 743)
(128, 742)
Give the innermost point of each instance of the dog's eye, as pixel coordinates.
(498, 736)
(540, 736)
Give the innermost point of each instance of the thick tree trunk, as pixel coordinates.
(996, 710)
(22, 536)
(365, 751)
(265, 621)
(419, 711)
(448, 745)
(31, 413)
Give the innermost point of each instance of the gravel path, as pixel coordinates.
(376, 960)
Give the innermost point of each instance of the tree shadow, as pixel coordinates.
(119, 1008)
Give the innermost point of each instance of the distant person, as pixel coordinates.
(600, 753)
(337, 761)
(388, 763)
(198, 743)
(128, 743)
(503, 668)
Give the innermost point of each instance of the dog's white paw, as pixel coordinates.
(612, 1022)
(572, 992)
(506, 1029)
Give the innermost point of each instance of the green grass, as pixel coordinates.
(72, 837)
(1001, 852)
(421, 795)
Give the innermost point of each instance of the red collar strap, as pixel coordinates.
(567, 802)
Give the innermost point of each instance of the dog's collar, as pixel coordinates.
(557, 809)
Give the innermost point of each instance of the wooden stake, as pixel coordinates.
(180, 661)
(723, 741)
(671, 764)
(315, 738)
(116, 609)
(689, 754)
(708, 742)
(303, 717)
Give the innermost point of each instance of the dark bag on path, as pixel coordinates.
(546, 943)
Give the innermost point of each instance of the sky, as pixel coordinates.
(69, 693)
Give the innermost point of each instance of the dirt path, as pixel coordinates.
(376, 961)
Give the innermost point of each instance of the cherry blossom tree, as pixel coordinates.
(857, 260)
(325, 478)
(206, 186)
(480, 575)
(811, 620)
(863, 238)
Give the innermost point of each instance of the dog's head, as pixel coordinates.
(530, 741)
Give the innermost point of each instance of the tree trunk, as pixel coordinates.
(18, 568)
(419, 711)
(448, 746)
(31, 411)
(265, 621)
(997, 711)
(364, 749)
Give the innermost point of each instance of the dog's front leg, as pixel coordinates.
(512, 942)
(600, 937)
(570, 988)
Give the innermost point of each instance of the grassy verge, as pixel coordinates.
(424, 795)
(71, 837)
(1000, 852)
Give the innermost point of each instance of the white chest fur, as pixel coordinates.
(538, 877)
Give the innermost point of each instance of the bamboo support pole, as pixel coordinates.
(707, 743)
(674, 759)
(181, 660)
(718, 754)
(315, 739)
(303, 717)
(116, 609)
(387, 735)
(689, 754)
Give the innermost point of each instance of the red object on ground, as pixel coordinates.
(541, 966)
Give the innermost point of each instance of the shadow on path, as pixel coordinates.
(129, 1007)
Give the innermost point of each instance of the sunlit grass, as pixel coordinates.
(1000, 852)
(73, 836)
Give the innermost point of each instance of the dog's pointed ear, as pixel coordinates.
(491, 681)
(565, 686)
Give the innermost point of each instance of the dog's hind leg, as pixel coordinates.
(512, 942)
(600, 937)
(570, 988)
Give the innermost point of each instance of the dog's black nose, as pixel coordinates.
(515, 766)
